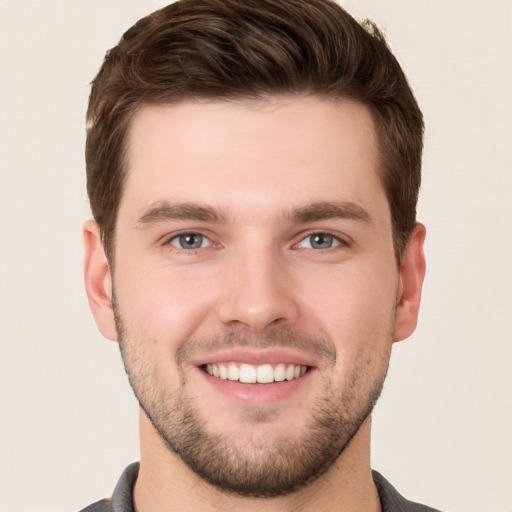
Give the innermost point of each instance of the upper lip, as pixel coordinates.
(256, 357)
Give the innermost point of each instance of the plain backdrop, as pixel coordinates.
(68, 421)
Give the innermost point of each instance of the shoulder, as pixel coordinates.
(392, 501)
(122, 500)
(99, 506)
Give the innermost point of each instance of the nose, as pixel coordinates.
(259, 292)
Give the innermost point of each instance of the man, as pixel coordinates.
(253, 170)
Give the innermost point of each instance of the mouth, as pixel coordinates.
(257, 377)
(255, 374)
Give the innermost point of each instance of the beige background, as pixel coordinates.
(68, 421)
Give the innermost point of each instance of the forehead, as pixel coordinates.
(269, 155)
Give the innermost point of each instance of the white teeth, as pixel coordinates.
(249, 374)
(279, 373)
(233, 373)
(265, 374)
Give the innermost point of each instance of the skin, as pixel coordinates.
(260, 167)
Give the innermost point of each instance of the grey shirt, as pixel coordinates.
(122, 499)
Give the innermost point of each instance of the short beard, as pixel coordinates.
(259, 470)
(255, 469)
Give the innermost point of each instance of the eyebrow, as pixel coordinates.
(316, 211)
(329, 210)
(181, 211)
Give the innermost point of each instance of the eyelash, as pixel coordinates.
(340, 242)
(185, 234)
(336, 239)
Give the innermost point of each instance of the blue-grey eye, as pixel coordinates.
(319, 241)
(190, 241)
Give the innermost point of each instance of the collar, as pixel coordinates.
(122, 499)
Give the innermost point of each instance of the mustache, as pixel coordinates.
(277, 338)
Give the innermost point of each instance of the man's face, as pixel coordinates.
(254, 243)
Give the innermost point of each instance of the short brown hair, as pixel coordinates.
(250, 49)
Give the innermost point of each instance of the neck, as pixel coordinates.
(165, 483)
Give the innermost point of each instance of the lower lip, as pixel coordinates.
(255, 394)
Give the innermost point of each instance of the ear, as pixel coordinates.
(98, 281)
(412, 273)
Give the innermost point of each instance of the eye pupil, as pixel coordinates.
(191, 241)
(321, 241)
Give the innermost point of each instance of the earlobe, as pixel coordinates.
(412, 273)
(98, 281)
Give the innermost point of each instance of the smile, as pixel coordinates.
(251, 374)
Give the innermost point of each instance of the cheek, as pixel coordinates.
(355, 306)
(162, 304)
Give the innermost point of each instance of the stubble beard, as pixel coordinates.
(255, 467)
